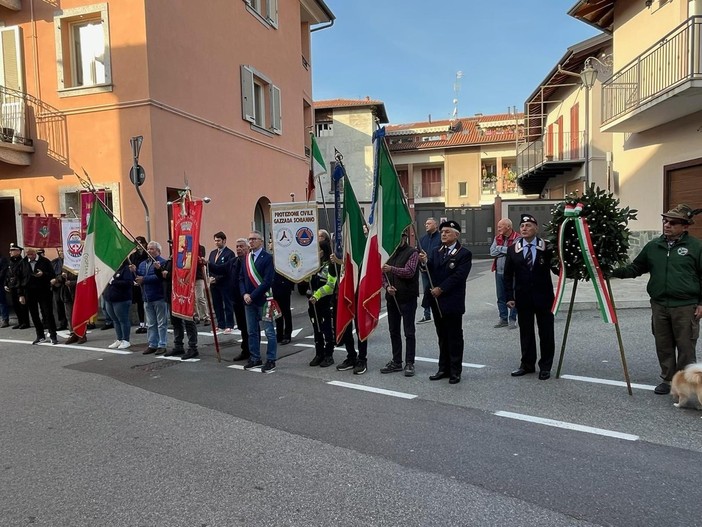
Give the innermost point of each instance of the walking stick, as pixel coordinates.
(206, 276)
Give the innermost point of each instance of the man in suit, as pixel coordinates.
(35, 275)
(255, 281)
(448, 266)
(220, 286)
(12, 286)
(528, 287)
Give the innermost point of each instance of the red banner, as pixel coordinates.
(187, 215)
(41, 232)
(87, 199)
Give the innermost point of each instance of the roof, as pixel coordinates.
(378, 106)
(597, 13)
(464, 131)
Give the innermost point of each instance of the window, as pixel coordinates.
(260, 101)
(324, 129)
(431, 182)
(462, 188)
(83, 50)
(265, 10)
(403, 176)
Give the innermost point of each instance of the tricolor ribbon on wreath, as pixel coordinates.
(604, 300)
(271, 309)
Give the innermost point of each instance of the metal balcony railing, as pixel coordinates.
(551, 148)
(13, 117)
(673, 60)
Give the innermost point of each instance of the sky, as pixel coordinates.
(406, 53)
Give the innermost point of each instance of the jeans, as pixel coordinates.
(180, 327)
(119, 314)
(108, 319)
(502, 299)
(156, 323)
(404, 315)
(253, 318)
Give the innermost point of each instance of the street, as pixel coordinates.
(93, 437)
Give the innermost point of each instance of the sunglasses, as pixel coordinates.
(672, 223)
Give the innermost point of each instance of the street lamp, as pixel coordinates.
(588, 76)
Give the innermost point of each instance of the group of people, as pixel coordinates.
(246, 290)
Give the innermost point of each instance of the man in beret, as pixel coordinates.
(529, 288)
(447, 268)
(674, 262)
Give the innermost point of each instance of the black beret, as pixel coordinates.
(14, 246)
(451, 224)
(527, 218)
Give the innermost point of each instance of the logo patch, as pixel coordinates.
(304, 236)
(682, 251)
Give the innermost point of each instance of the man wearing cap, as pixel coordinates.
(12, 287)
(35, 274)
(674, 262)
(529, 287)
(4, 309)
(448, 266)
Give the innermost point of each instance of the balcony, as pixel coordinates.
(15, 147)
(535, 166)
(15, 5)
(661, 85)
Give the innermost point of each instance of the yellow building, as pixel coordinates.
(221, 92)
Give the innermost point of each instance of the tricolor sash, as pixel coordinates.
(604, 301)
(270, 309)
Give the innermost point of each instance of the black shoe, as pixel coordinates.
(140, 330)
(662, 389)
(326, 362)
(269, 367)
(253, 364)
(241, 356)
(391, 367)
(90, 326)
(23, 326)
(72, 339)
(424, 320)
(82, 340)
(54, 340)
(39, 340)
(16, 326)
(148, 351)
(409, 369)
(543, 375)
(161, 351)
(191, 354)
(438, 376)
(454, 379)
(520, 371)
(174, 352)
(283, 342)
(317, 360)
(348, 364)
(107, 326)
(361, 367)
(5, 324)
(501, 324)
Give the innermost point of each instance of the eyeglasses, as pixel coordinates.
(672, 223)
(254, 239)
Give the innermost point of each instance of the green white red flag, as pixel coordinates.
(317, 167)
(354, 244)
(104, 250)
(390, 216)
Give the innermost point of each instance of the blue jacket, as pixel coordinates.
(121, 285)
(265, 268)
(152, 286)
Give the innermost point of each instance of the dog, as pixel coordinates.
(687, 387)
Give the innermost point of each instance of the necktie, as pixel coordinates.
(529, 258)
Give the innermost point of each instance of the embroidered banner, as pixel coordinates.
(187, 217)
(295, 248)
(87, 199)
(41, 231)
(72, 244)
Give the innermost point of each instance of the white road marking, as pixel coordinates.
(607, 381)
(381, 391)
(302, 345)
(436, 361)
(68, 346)
(568, 426)
(176, 358)
(241, 367)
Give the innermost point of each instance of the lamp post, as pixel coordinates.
(137, 175)
(588, 76)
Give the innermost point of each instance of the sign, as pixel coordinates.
(295, 247)
(72, 244)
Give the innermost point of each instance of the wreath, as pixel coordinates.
(608, 226)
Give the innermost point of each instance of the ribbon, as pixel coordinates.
(604, 301)
(271, 309)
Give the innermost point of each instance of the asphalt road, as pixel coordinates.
(95, 438)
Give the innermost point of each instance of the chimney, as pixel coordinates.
(430, 118)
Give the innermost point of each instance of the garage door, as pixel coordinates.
(684, 185)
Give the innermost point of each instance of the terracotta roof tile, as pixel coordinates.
(343, 103)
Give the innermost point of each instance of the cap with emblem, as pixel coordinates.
(451, 225)
(681, 212)
(15, 247)
(527, 218)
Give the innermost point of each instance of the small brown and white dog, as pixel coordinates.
(687, 387)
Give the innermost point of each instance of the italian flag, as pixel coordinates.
(104, 250)
(390, 217)
(354, 243)
(317, 167)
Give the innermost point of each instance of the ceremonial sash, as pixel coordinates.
(604, 301)
(270, 309)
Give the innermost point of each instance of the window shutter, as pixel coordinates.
(272, 12)
(247, 94)
(276, 117)
(11, 71)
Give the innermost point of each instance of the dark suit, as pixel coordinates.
(282, 289)
(37, 293)
(449, 271)
(254, 310)
(221, 288)
(532, 291)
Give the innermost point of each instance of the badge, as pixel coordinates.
(682, 251)
(452, 264)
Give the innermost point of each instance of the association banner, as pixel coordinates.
(87, 200)
(72, 244)
(295, 247)
(187, 215)
(41, 232)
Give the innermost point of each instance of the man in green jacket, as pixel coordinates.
(674, 261)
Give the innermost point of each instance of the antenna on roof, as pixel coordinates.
(456, 90)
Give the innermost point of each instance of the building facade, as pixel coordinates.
(220, 91)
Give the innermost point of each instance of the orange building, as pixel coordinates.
(220, 90)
